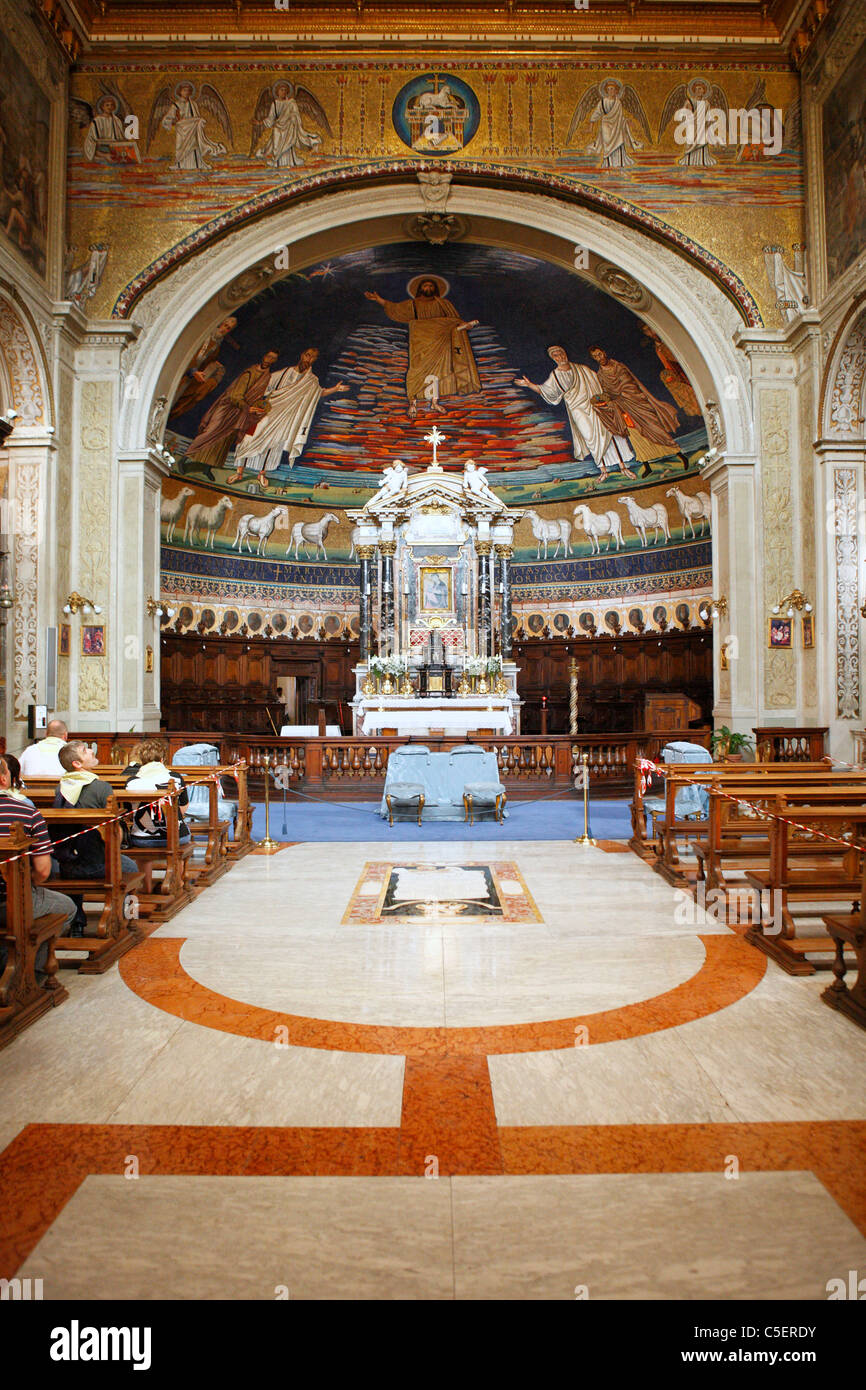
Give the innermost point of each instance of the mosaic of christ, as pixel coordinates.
(331, 373)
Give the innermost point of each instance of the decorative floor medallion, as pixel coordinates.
(441, 892)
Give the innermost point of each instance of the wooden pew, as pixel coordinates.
(159, 899)
(116, 931)
(770, 777)
(849, 929)
(243, 841)
(686, 773)
(736, 841)
(22, 998)
(826, 878)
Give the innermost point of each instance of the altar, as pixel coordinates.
(419, 716)
(434, 550)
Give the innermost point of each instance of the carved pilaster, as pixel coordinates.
(847, 556)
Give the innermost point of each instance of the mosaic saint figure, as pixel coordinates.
(609, 106)
(186, 116)
(673, 375)
(290, 403)
(205, 371)
(232, 414)
(280, 110)
(439, 345)
(576, 386)
(627, 407)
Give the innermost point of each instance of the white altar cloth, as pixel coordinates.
(415, 715)
(309, 731)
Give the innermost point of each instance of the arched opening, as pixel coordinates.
(660, 320)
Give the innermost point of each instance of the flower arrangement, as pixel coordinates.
(494, 666)
(475, 665)
(381, 666)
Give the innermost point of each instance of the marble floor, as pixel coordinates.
(437, 1071)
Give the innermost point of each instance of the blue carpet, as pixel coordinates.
(331, 821)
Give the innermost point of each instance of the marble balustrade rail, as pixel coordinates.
(348, 767)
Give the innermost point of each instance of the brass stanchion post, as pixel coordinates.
(585, 839)
(267, 845)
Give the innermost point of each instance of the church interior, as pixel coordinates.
(441, 427)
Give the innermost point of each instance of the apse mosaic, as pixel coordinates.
(287, 414)
(321, 381)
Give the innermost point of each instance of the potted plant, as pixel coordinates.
(728, 746)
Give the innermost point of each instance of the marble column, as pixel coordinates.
(365, 555)
(504, 554)
(482, 550)
(387, 550)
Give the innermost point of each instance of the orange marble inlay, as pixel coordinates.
(448, 1116)
(731, 970)
(43, 1166)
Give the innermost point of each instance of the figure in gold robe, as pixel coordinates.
(441, 361)
(232, 415)
(626, 406)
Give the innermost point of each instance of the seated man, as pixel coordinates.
(84, 857)
(14, 811)
(43, 759)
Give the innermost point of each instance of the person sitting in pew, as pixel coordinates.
(17, 790)
(148, 772)
(42, 759)
(84, 857)
(14, 811)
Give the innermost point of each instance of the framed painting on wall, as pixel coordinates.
(781, 630)
(63, 639)
(92, 639)
(435, 585)
(808, 630)
(844, 165)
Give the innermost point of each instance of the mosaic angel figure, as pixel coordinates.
(700, 105)
(281, 111)
(611, 106)
(185, 112)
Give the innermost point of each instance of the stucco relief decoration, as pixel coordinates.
(847, 594)
(622, 286)
(26, 555)
(779, 672)
(94, 525)
(846, 400)
(807, 531)
(21, 366)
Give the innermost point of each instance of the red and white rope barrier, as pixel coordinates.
(112, 820)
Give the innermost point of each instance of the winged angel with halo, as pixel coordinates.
(281, 111)
(699, 99)
(609, 105)
(185, 111)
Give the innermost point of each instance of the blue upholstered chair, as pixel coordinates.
(204, 755)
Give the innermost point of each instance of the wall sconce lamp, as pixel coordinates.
(77, 603)
(155, 609)
(793, 600)
(7, 424)
(713, 608)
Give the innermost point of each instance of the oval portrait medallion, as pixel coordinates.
(436, 114)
